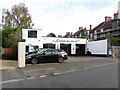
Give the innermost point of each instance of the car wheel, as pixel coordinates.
(34, 61)
(60, 60)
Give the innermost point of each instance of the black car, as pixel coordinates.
(63, 54)
(44, 55)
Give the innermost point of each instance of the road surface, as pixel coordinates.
(104, 76)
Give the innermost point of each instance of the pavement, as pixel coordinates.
(13, 64)
(8, 64)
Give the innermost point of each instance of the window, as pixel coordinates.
(101, 30)
(35, 47)
(48, 52)
(32, 34)
(95, 32)
(27, 48)
(119, 23)
(31, 49)
(54, 52)
(115, 24)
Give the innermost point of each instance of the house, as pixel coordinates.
(110, 27)
(68, 34)
(82, 32)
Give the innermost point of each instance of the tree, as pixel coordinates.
(10, 37)
(0, 38)
(51, 35)
(18, 17)
(112, 41)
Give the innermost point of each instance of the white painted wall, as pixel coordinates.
(21, 54)
(57, 45)
(25, 33)
(63, 40)
(39, 41)
(33, 41)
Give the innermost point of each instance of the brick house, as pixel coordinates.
(81, 33)
(110, 27)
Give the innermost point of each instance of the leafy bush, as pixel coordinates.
(83, 37)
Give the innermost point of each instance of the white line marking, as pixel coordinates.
(14, 80)
(89, 67)
(56, 73)
(43, 76)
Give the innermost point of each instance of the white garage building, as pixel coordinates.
(73, 46)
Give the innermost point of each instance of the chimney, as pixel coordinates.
(107, 18)
(80, 28)
(71, 33)
(90, 27)
(67, 33)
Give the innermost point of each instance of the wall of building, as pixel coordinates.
(40, 41)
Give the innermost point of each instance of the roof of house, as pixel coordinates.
(78, 32)
(104, 25)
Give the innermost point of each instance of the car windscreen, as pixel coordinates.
(41, 51)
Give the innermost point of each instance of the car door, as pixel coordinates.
(48, 55)
(39, 56)
(42, 56)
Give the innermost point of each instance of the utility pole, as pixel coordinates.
(119, 9)
(118, 28)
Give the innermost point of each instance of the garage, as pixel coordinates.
(48, 45)
(73, 46)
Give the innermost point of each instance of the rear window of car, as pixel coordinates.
(60, 50)
(54, 51)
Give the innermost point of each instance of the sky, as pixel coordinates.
(61, 16)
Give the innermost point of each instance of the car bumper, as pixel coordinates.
(65, 57)
(27, 60)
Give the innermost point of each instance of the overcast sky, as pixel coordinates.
(61, 16)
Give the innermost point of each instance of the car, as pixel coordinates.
(63, 54)
(45, 55)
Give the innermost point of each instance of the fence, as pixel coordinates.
(9, 53)
(116, 51)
